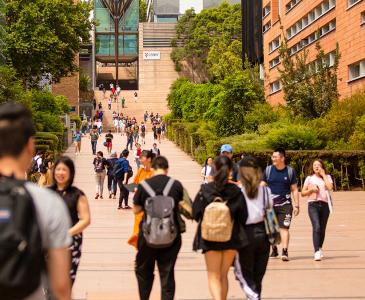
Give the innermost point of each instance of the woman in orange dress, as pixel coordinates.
(143, 173)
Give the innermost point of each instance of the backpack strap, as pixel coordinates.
(168, 187)
(268, 172)
(148, 188)
(290, 173)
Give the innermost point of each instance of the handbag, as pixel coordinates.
(186, 206)
(271, 221)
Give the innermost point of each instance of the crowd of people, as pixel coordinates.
(230, 209)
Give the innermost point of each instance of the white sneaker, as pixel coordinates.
(321, 251)
(317, 256)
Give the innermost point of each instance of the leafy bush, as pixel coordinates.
(294, 137)
(76, 119)
(261, 113)
(357, 139)
(340, 122)
(47, 122)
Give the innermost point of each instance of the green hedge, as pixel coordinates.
(77, 120)
(346, 167)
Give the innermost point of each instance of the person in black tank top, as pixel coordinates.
(77, 204)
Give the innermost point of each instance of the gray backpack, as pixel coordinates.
(159, 227)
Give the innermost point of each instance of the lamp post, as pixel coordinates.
(116, 41)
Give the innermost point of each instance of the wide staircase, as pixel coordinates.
(155, 76)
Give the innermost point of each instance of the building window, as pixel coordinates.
(274, 62)
(363, 18)
(266, 27)
(357, 70)
(351, 3)
(328, 61)
(275, 86)
(324, 30)
(266, 10)
(274, 44)
(291, 4)
(311, 17)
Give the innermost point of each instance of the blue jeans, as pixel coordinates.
(112, 184)
(93, 146)
(130, 142)
(318, 213)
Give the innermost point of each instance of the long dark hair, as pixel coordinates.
(70, 165)
(223, 166)
(206, 165)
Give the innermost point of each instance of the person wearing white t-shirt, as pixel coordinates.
(251, 261)
(316, 188)
(207, 169)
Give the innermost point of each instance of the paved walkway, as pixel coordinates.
(107, 267)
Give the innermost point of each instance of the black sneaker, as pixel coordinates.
(285, 256)
(274, 252)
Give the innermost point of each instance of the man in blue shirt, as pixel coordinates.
(282, 182)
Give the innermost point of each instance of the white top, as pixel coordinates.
(255, 207)
(206, 173)
(315, 180)
(99, 124)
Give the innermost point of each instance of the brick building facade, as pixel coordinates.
(304, 22)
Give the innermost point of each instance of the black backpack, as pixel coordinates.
(21, 255)
(34, 168)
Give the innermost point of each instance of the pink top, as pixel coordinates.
(313, 180)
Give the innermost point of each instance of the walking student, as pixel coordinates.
(41, 218)
(112, 181)
(158, 244)
(129, 134)
(109, 141)
(143, 133)
(317, 187)
(94, 136)
(207, 170)
(77, 140)
(121, 173)
(282, 182)
(220, 253)
(251, 262)
(156, 151)
(77, 204)
(100, 164)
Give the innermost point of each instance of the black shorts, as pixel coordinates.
(284, 214)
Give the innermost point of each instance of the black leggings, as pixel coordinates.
(318, 213)
(251, 262)
(124, 193)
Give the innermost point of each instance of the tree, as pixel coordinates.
(142, 11)
(310, 89)
(10, 87)
(44, 36)
(214, 30)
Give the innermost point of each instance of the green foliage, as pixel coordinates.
(310, 89)
(45, 36)
(142, 11)
(84, 82)
(357, 139)
(43, 101)
(261, 114)
(10, 87)
(47, 122)
(338, 125)
(294, 137)
(77, 120)
(241, 91)
(206, 37)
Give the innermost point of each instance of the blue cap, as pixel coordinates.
(226, 148)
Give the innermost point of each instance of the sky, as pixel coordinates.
(186, 4)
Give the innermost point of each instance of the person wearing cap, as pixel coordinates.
(226, 150)
(112, 181)
(251, 261)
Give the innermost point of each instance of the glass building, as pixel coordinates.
(105, 33)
